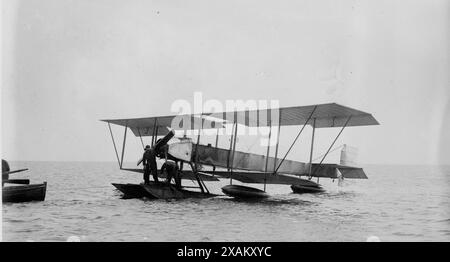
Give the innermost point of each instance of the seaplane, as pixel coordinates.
(212, 163)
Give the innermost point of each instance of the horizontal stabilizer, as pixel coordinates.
(353, 172)
(330, 170)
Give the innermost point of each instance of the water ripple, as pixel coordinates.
(395, 204)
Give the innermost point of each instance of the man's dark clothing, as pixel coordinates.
(149, 162)
(172, 172)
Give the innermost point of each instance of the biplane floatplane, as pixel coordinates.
(228, 163)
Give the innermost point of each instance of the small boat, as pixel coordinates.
(244, 192)
(158, 191)
(25, 193)
(299, 189)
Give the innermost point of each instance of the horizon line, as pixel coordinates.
(112, 161)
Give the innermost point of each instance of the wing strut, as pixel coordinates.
(142, 141)
(217, 137)
(295, 140)
(312, 146)
(114, 144)
(267, 155)
(234, 150)
(231, 148)
(196, 145)
(153, 133)
(278, 141)
(194, 167)
(332, 144)
(156, 134)
(123, 146)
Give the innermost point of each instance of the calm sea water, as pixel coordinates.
(396, 203)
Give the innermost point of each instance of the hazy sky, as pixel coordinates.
(66, 64)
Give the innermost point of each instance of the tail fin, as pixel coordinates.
(329, 170)
(349, 156)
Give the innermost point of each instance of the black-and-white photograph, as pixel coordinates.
(225, 121)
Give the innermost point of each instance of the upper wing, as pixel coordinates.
(325, 115)
(160, 125)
